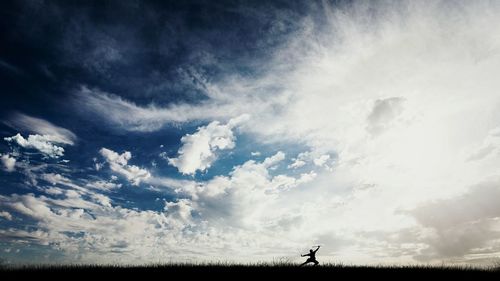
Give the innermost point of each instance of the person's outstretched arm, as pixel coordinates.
(317, 249)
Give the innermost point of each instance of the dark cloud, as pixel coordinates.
(139, 49)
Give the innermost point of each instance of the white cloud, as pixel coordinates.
(119, 163)
(255, 153)
(200, 150)
(297, 163)
(489, 147)
(103, 185)
(54, 179)
(47, 138)
(41, 127)
(320, 161)
(8, 162)
(306, 157)
(181, 210)
(241, 198)
(5, 215)
(301, 160)
(62, 185)
(43, 143)
(98, 166)
(306, 177)
(276, 158)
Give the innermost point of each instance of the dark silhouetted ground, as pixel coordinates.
(232, 271)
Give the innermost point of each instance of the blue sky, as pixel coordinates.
(148, 131)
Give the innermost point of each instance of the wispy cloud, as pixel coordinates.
(221, 105)
(39, 126)
(132, 117)
(9, 67)
(47, 138)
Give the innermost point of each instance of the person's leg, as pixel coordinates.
(316, 262)
(306, 262)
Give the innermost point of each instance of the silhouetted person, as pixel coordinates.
(312, 257)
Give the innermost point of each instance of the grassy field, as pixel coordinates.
(253, 270)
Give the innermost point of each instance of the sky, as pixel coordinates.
(136, 132)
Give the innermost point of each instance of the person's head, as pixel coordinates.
(311, 250)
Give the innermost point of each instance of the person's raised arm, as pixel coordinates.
(317, 249)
